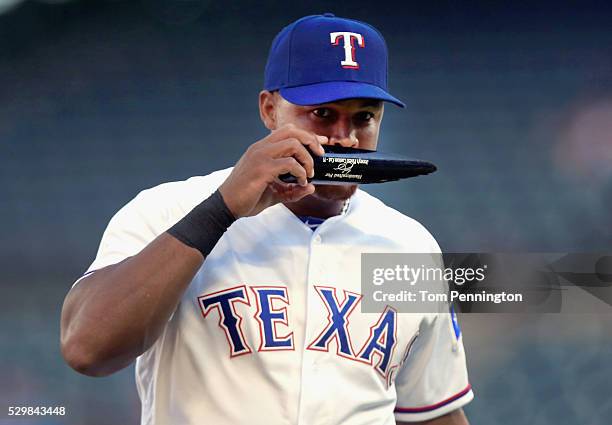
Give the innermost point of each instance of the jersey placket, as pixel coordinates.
(313, 407)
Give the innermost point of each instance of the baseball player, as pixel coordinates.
(238, 295)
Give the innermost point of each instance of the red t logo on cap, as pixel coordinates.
(349, 46)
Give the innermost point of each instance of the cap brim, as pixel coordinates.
(316, 94)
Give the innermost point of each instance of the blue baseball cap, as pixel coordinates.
(323, 58)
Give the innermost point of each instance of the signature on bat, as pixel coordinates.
(344, 167)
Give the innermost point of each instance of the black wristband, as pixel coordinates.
(204, 225)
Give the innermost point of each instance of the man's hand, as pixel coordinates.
(456, 417)
(254, 185)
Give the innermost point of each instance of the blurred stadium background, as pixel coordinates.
(101, 99)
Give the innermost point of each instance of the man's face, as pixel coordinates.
(351, 123)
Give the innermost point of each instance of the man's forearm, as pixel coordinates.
(116, 313)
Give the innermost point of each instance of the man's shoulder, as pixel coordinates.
(193, 188)
(166, 203)
(377, 217)
(375, 208)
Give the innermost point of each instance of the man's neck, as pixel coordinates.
(314, 207)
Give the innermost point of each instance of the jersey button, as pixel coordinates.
(317, 239)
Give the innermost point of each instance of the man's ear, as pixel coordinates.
(267, 109)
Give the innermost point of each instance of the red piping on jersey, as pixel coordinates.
(434, 406)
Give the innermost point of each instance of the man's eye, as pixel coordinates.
(322, 112)
(365, 116)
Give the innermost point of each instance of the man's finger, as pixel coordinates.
(313, 141)
(290, 165)
(293, 147)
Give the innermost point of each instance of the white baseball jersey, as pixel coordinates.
(270, 330)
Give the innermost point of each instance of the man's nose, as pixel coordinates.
(343, 134)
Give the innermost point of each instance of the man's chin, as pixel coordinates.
(329, 192)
